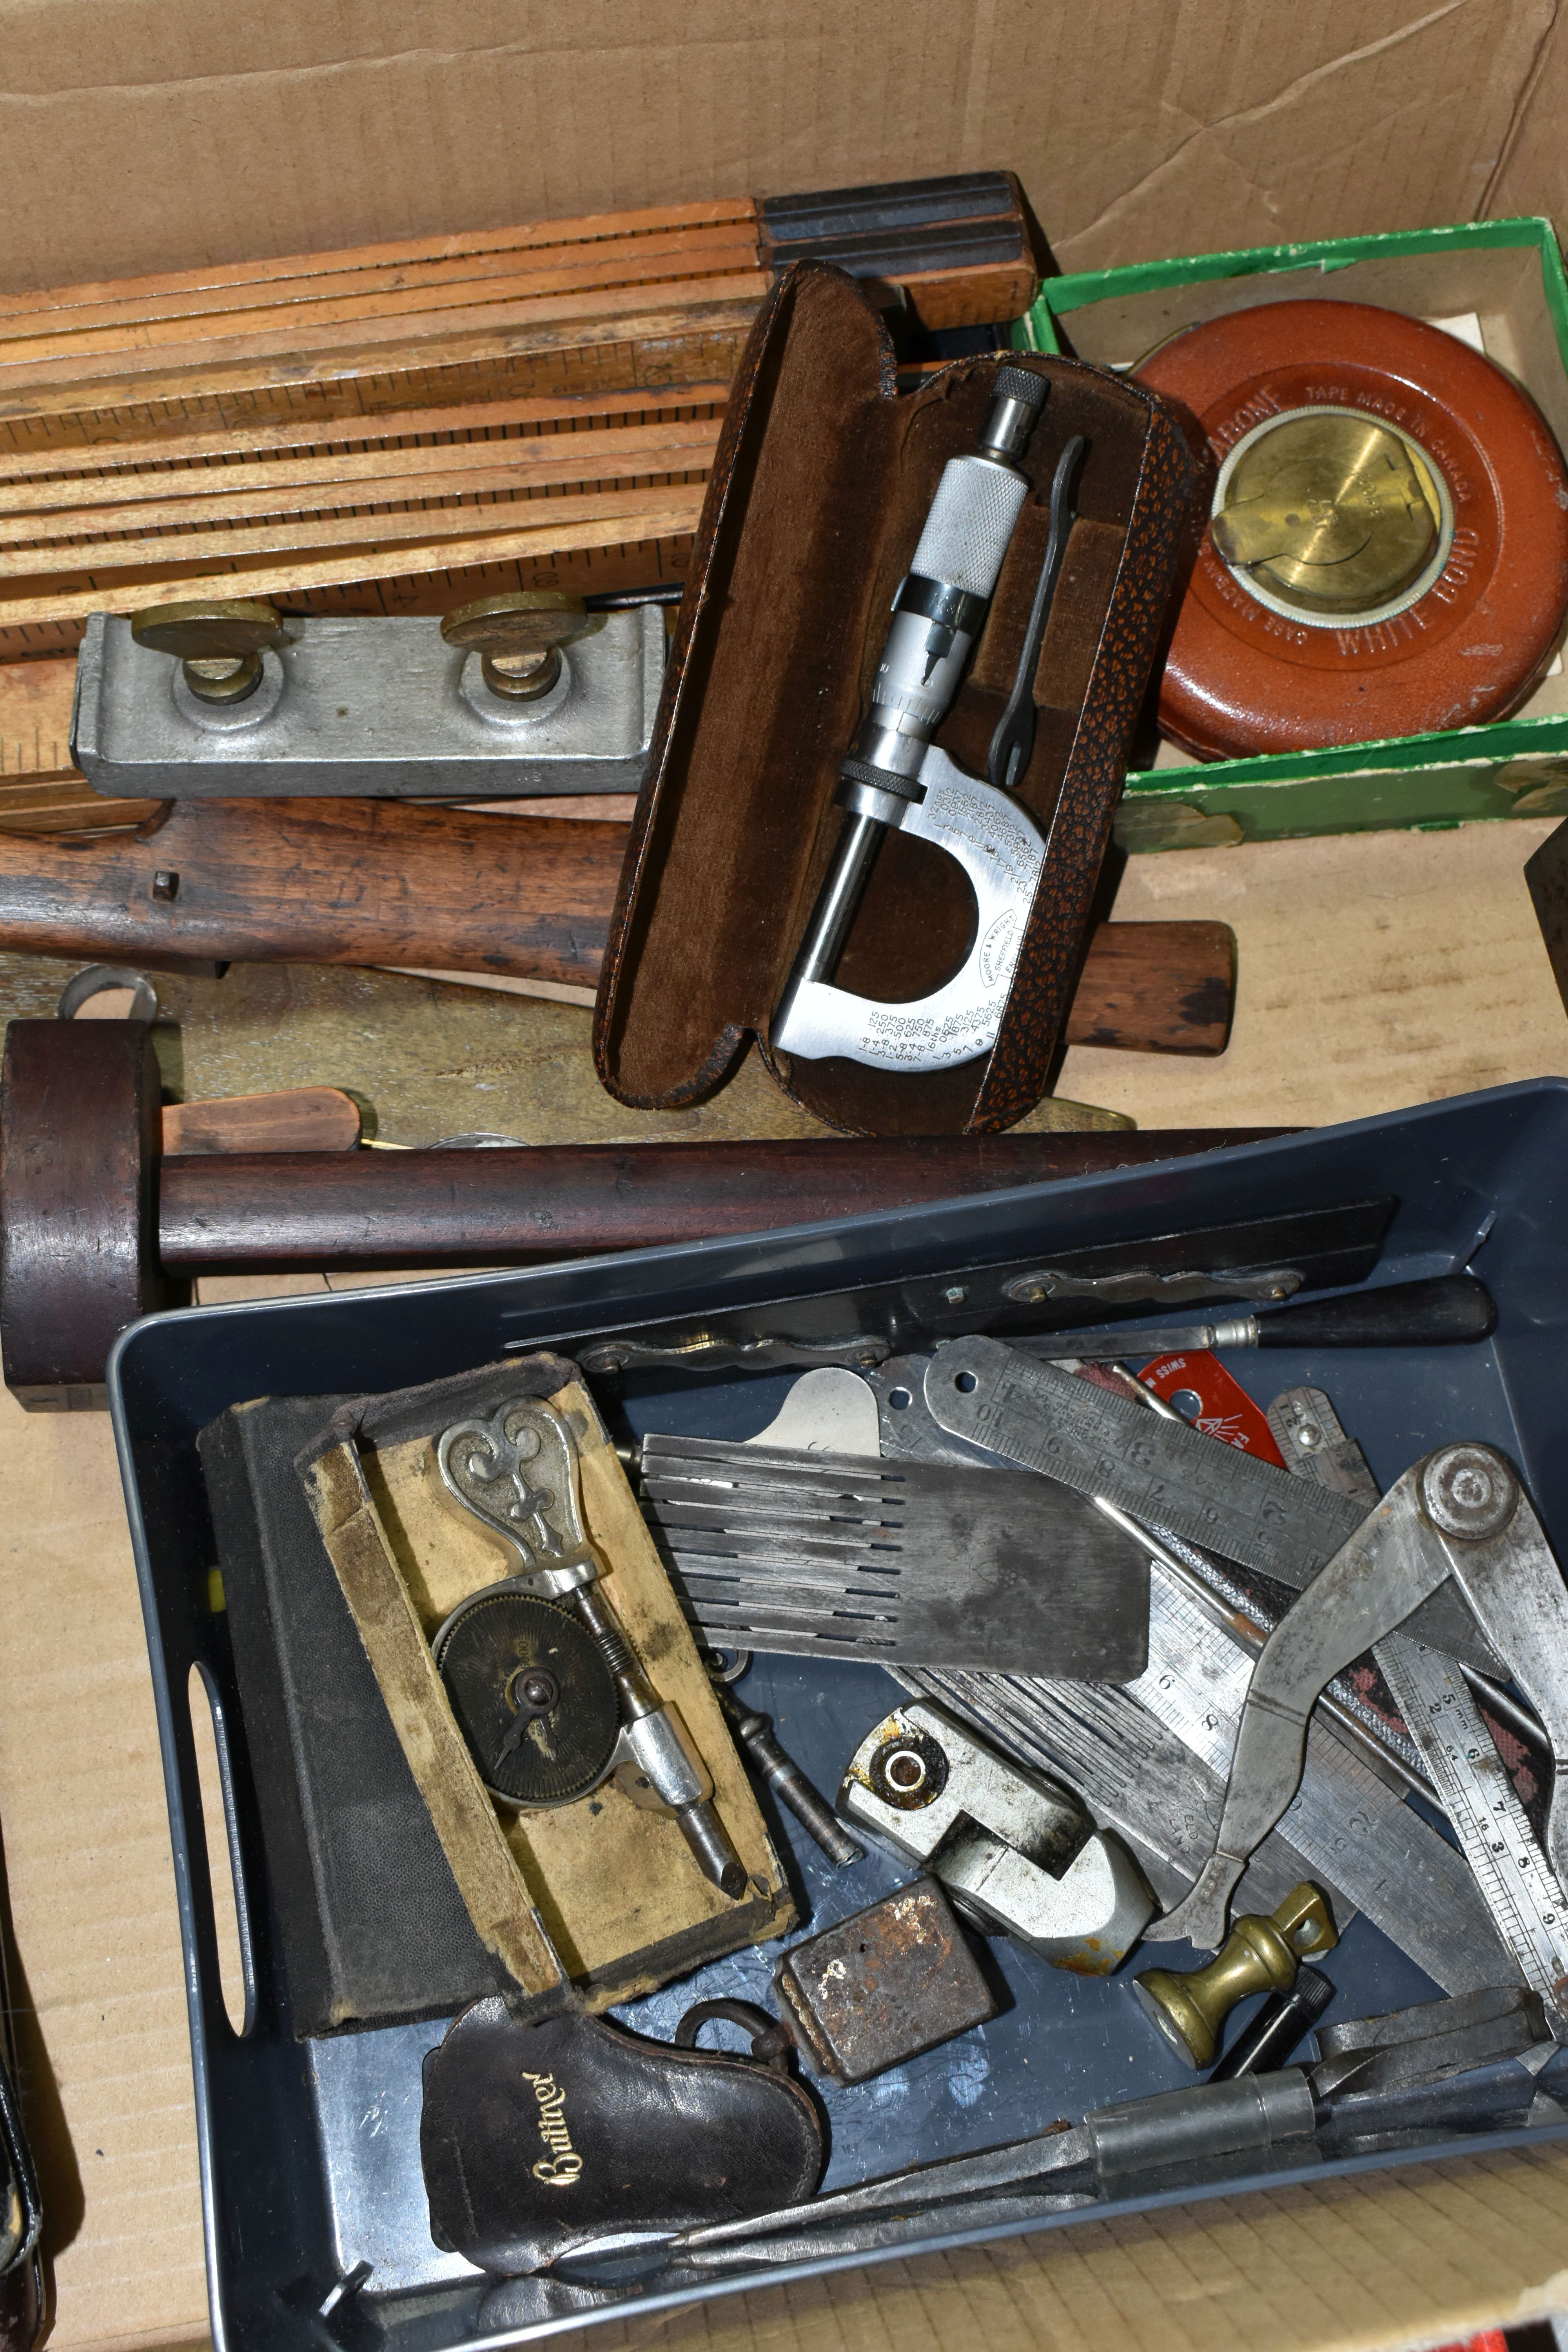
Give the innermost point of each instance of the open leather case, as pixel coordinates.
(821, 483)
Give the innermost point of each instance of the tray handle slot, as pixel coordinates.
(225, 1874)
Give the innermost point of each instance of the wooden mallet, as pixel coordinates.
(99, 1225)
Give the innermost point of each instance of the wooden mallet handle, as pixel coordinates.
(445, 889)
(96, 1230)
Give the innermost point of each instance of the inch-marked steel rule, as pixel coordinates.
(1520, 1890)
(1207, 1580)
(1195, 1685)
(1352, 1828)
(1346, 1828)
(1161, 1471)
(1135, 1774)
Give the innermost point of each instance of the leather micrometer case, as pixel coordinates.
(822, 485)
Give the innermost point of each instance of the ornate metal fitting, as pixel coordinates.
(710, 1351)
(517, 1473)
(1179, 1289)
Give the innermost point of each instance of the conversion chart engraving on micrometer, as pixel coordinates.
(1001, 851)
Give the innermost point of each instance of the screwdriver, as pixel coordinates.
(1445, 1310)
(1056, 2170)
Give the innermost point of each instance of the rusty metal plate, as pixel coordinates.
(883, 1986)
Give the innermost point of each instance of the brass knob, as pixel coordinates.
(520, 632)
(220, 640)
(1259, 1955)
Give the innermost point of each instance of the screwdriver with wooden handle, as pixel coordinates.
(1445, 1310)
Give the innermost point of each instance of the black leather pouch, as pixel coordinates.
(534, 2137)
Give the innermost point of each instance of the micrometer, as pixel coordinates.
(895, 778)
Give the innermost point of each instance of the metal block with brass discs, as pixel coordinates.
(512, 697)
(1386, 549)
(544, 1724)
(1259, 1955)
(1017, 1853)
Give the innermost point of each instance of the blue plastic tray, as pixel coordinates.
(309, 2152)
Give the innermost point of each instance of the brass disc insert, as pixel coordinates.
(1385, 549)
(519, 632)
(1328, 514)
(219, 639)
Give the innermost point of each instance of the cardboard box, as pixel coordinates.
(1439, 982)
(153, 134)
(1499, 285)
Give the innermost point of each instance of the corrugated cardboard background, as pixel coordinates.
(144, 134)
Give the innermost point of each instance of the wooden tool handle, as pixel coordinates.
(498, 1206)
(304, 1119)
(1445, 1310)
(383, 882)
(324, 881)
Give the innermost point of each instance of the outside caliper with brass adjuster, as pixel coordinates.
(1452, 1564)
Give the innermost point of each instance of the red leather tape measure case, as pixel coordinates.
(1395, 513)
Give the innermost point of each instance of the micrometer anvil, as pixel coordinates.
(1001, 851)
(1459, 1514)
